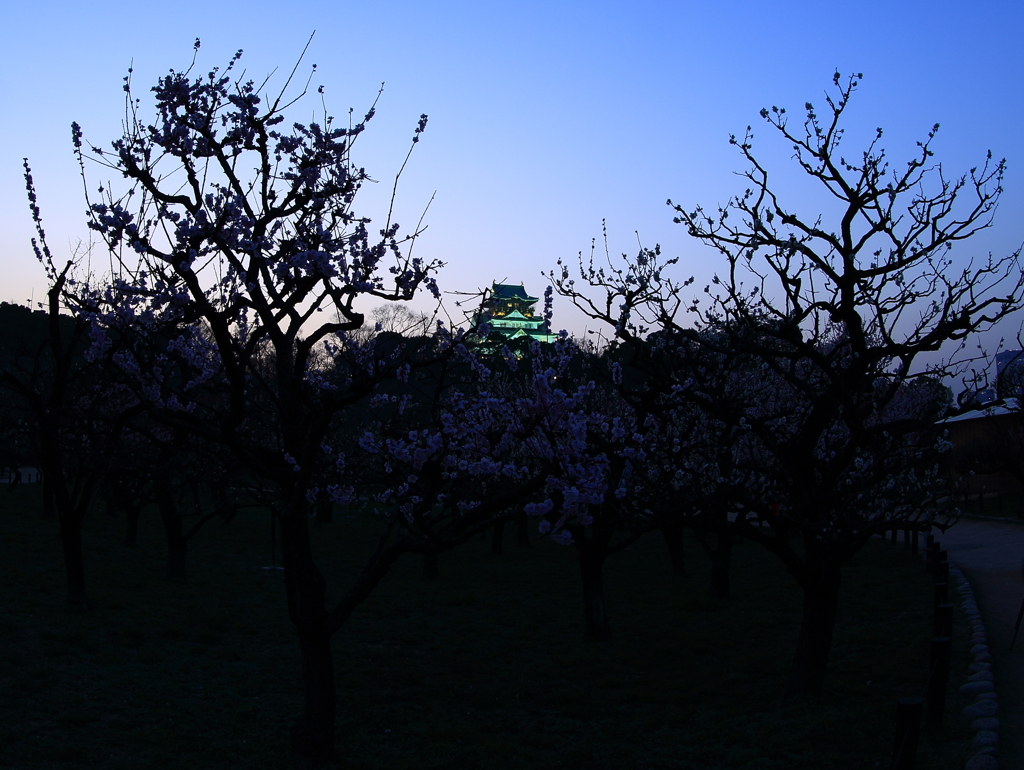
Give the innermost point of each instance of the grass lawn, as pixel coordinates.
(486, 667)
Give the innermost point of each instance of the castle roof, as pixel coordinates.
(511, 291)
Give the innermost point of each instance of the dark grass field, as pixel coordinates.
(485, 668)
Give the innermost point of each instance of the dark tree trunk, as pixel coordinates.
(74, 561)
(313, 734)
(111, 502)
(222, 504)
(820, 603)
(70, 503)
(197, 499)
(49, 500)
(430, 571)
(593, 552)
(171, 518)
(306, 589)
(674, 540)
(522, 531)
(324, 510)
(721, 565)
(131, 530)
(496, 536)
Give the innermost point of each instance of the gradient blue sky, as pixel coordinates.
(545, 118)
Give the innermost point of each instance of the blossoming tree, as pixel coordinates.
(232, 231)
(834, 314)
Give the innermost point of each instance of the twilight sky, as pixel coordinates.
(545, 118)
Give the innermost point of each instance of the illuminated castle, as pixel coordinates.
(510, 311)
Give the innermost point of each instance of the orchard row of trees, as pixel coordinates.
(225, 350)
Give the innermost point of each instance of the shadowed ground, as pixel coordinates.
(486, 666)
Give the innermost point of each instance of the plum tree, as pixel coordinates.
(825, 318)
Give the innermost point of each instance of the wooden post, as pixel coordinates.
(941, 595)
(942, 621)
(908, 728)
(938, 679)
(931, 557)
(941, 568)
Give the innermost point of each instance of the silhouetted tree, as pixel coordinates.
(61, 411)
(836, 309)
(212, 311)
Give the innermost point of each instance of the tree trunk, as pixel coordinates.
(592, 555)
(522, 531)
(171, 518)
(306, 589)
(49, 500)
(131, 530)
(721, 564)
(197, 499)
(324, 510)
(496, 535)
(430, 571)
(69, 506)
(111, 502)
(313, 734)
(74, 561)
(820, 603)
(674, 540)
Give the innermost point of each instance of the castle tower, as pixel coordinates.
(511, 311)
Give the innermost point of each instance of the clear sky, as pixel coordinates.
(545, 118)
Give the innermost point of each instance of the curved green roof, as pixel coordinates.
(511, 291)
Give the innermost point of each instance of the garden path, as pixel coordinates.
(990, 553)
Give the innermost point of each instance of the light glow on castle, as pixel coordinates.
(509, 311)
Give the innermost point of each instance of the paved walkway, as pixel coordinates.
(990, 554)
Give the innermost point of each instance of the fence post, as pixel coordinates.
(941, 594)
(908, 728)
(942, 624)
(931, 556)
(941, 568)
(938, 679)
